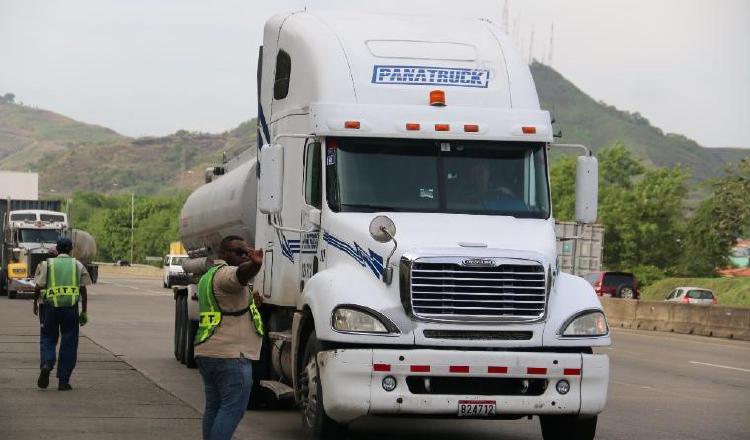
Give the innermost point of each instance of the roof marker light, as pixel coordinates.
(442, 127)
(437, 98)
(528, 129)
(351, 124)
(471, 128)
(413, 126)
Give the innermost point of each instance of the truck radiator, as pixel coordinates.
(511, 290)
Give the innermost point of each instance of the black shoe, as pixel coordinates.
(64, 387)
(43, 381)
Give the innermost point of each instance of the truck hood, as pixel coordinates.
(451, 234)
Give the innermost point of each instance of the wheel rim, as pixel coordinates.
(627, 293)
(310, 400)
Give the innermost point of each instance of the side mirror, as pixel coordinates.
(270, 185)
(587, 189)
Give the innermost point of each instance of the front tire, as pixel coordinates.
(315, 422)
(568, 427)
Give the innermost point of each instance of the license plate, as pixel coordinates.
(476, 408)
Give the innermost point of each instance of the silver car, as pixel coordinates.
(692, 295)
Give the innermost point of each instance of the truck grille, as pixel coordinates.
(511, 290)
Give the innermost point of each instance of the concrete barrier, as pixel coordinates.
(719, 321)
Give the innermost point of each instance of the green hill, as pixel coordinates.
(71, 156)
(597, 125)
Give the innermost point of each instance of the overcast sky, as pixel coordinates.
(151, 67)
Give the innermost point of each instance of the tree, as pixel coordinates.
(8, 98)
(640, 209)
(718, 222)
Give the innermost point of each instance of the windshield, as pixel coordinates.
(467, 177)
(39, 235)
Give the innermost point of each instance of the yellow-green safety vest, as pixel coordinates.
(62, 282)
(210, 314)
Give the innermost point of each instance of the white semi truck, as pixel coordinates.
(401, 197)
(29, 229)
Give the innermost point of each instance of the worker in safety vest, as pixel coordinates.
(229, 336)
(63, 280)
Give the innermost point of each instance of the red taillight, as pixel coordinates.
(715, 301)
(685, 300)
(381, 367)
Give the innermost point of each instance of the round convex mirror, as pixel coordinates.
(382, 229)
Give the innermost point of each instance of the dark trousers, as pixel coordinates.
(62, 323)
(227, 383)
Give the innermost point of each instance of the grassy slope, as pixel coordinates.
(583, 120)
(105, 161)
(730, 291)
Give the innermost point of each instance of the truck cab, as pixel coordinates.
(28, 236)
(401, 197)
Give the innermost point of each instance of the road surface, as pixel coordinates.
(662, 386)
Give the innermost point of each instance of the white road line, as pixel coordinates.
(720, 366)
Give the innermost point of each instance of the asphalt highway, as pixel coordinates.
(662, 385)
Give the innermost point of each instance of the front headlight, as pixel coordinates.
(589, 323)
(355, 320)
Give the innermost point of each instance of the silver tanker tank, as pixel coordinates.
(225, 206)
(84, 246)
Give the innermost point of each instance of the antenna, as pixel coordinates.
(551, 44)
(531, 46)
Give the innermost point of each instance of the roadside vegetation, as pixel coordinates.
(107, 218)
(649, 229)
(730, 291)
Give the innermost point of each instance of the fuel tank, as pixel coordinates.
(225, 206)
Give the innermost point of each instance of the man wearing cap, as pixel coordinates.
(63, 280)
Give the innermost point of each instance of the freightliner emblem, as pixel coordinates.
(478, 262)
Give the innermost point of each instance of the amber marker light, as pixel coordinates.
(437, 98)
(351, 124)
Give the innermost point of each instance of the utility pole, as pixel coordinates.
(132, 222)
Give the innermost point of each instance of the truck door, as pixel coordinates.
(310, 215)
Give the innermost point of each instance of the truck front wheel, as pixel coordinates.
(317, 425)
(568, 427)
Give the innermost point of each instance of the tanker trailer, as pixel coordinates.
(225, 206)
(84, 250)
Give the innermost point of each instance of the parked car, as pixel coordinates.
(122, 263)
(173, 272)
(615, 284)
(692, 295)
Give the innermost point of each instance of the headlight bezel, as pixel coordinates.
(390, 328)
(579, 315)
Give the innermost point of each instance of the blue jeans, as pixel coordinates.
(62, 323)
(227, 383)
